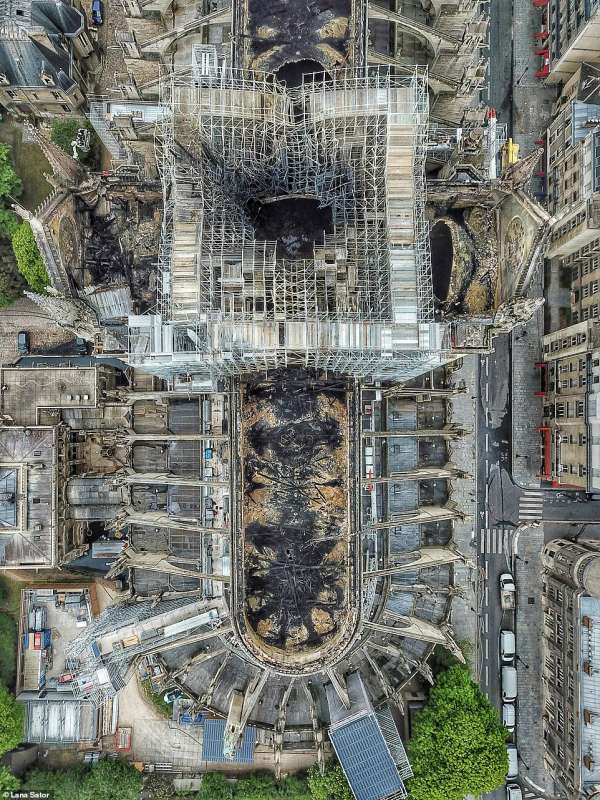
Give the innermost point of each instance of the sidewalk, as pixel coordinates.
(463, 454)
(526, 408)
(531, 100)
(531, 113)
(529, 629)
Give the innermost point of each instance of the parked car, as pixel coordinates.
(172, 695)
(509, 684)
(23, 342)
(513, 792)
(507, 646)
(513, 761)
(508, 717)
(97, 9)
(507, 590)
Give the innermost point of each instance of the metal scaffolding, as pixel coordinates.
(229, 303)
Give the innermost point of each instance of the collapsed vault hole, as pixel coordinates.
(291, 72)
(442, 255)
(295, 223)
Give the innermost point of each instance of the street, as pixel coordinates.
(506, 513)
(506, 532)
(496, 509)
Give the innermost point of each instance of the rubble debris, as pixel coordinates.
(295, 452)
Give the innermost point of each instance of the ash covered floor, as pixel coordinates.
(295, 515)
(295, 223)
(284, 31)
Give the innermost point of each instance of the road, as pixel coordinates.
(568, 518)
(502, 506)
(523, 104)
(497, 504)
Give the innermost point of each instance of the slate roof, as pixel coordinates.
(22, 59)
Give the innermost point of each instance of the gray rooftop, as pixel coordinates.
(31, 389)
(27, 522)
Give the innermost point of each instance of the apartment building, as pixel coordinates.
(571, 427)
(570, 669)
(573, 35)
(45, 48)
(573, 165)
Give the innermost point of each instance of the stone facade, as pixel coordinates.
(570, 581)
(572, 383)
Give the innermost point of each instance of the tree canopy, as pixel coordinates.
(103, 781)
(29, 260)
(257, 785)
(8, 781)
(332, 785)
(9, 223)
(215, 786)
(11, 721)
(10, 183)
(261, 785)
(459, 744)
(11, 287)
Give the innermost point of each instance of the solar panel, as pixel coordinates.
(212, 743)
(366, 760)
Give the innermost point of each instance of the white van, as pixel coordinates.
(508, 717)
(513, 761)
(509, 684)
(507, 646)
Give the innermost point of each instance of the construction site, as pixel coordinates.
(268, 431)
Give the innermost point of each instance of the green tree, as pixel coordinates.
(9, 223)
(11, 721)
(8, 648)
(29, 260)
(62, 784)
(257, 785)
(108, 773)
(104, 781)
(331, 785)
(8, 781)
(11, 287)
(10, 183)
(459, 744)
(215, 786)
(293, 788)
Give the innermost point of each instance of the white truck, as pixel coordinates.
(507, 591)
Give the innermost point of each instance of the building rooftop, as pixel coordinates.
(27, 501)
(25, 391)
(25, 60)
(50, 618)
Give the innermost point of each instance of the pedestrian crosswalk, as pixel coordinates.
(495, 540)
(531, 506)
